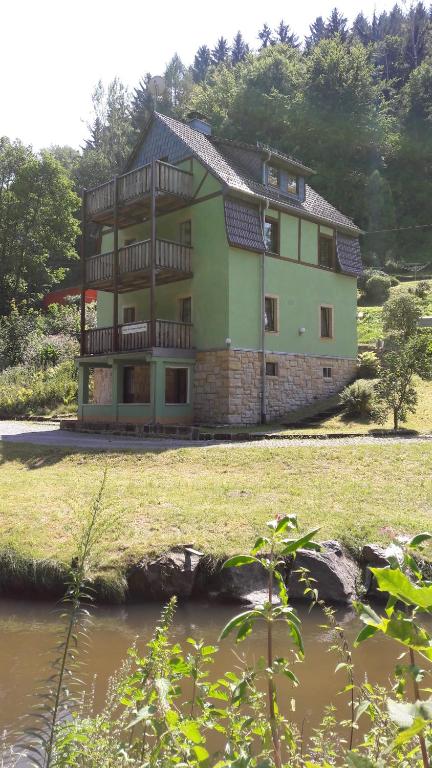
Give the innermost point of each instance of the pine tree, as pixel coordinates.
(318, 32)
(239, 49)
(220, 52)
(143, 103)
(337, 25)
(417, 35)
(202, 62)
(361, 29)
(284, 35)
(265, 36)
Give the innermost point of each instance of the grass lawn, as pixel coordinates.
(216, 498)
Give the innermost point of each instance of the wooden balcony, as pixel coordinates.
(173, 262)
(135, 337)
(173, 187)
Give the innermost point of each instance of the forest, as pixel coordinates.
(354, 102)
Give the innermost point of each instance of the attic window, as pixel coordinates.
(273, 179)
(291, 184)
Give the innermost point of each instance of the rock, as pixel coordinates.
(373, 556)
(174, 573)
(334, 571)
(246, 584)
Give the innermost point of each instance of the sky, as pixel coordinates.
(55, 52)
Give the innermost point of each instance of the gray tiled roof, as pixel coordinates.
(237, 178)
(260, 149)
(243, 225)
(348, 255)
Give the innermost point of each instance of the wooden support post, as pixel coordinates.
(153, 256)
(116, 270)
(83, 269)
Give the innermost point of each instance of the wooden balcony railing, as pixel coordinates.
(137, 184)
(132, 337)
(136, 258)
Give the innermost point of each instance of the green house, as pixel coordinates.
(226, 285)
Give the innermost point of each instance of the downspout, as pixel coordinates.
(263, 207)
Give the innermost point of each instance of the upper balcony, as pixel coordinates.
(173, 187)
(172, 262)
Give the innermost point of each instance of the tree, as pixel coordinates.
(396, 389)
(265, 36)
(361, 29)
(400, 315)
(337, 25)
(379, 214)
(38, 228)
(142, 103)
(285, 36)
(318, 32)
(221, 51)
(179, 82)
(202, 62)
(239, 49)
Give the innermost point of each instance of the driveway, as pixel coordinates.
(49, 434)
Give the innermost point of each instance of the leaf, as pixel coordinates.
(238, 560)
(398, 585)
(419, 539)
(261, 542)
(408, 733)
(304, 542)
(360, 709)
(359, 761)
(236, 621)
(365, 633)
(190, 729)
(289, 521)
(201, 754)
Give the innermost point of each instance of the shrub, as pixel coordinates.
(368, 365)
(377, 289)
(358, 399)
(394, 281)
(422, 289)
(46, 351)
(24, 390)
(391, 265)
(400, 314)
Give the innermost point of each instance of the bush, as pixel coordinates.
(358, 399)
(400, 314)
(368, 365)
(25, 391)
(394, 281)
(46, 351)
(422, 289)
(377, 289)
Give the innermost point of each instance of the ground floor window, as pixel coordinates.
(176, 386)
(271, 369)
(271, 314)
(136, 383)
(327, 373)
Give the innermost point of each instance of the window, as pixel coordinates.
(271, 369)
(325, 252)
(326, 322)
(185, 309)
(136, 383)
(128, 314)
(185, 233)
(272, 176)
(271, 235)
(271, 314)
(292, 184)
(327, 373)
(176, 386)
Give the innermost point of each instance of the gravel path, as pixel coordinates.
(49, 434)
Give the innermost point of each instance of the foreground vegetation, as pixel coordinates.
(216, 498)
(165, 709)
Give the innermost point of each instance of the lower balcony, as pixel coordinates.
(139, 336)
(172, 262)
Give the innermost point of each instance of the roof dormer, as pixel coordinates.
(286, 181)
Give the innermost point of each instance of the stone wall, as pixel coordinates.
(227, 384)
(101, 393)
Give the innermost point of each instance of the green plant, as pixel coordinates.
(358, 399)
(422, 289)
(377, 289)
(400, 314)
(368, 365)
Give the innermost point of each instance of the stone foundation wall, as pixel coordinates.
(102, 386)
(227, 384)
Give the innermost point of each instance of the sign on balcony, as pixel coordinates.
(134, 328)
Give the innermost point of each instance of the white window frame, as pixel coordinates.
(332, 324)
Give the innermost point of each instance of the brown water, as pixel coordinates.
(28, 634)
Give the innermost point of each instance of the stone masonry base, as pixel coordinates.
(227, 384)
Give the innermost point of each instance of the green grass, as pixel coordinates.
(369, 323)
(216, 498)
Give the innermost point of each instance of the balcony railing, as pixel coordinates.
(133, 337)
(136, 258)
(136, 184)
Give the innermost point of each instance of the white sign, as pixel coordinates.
(134, 328)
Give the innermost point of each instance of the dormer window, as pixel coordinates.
(273, 177)
(284, 181)
(292, 184)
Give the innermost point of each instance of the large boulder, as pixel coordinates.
(335, 573)
(373, 556)
(173, 573)
(246, 584)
